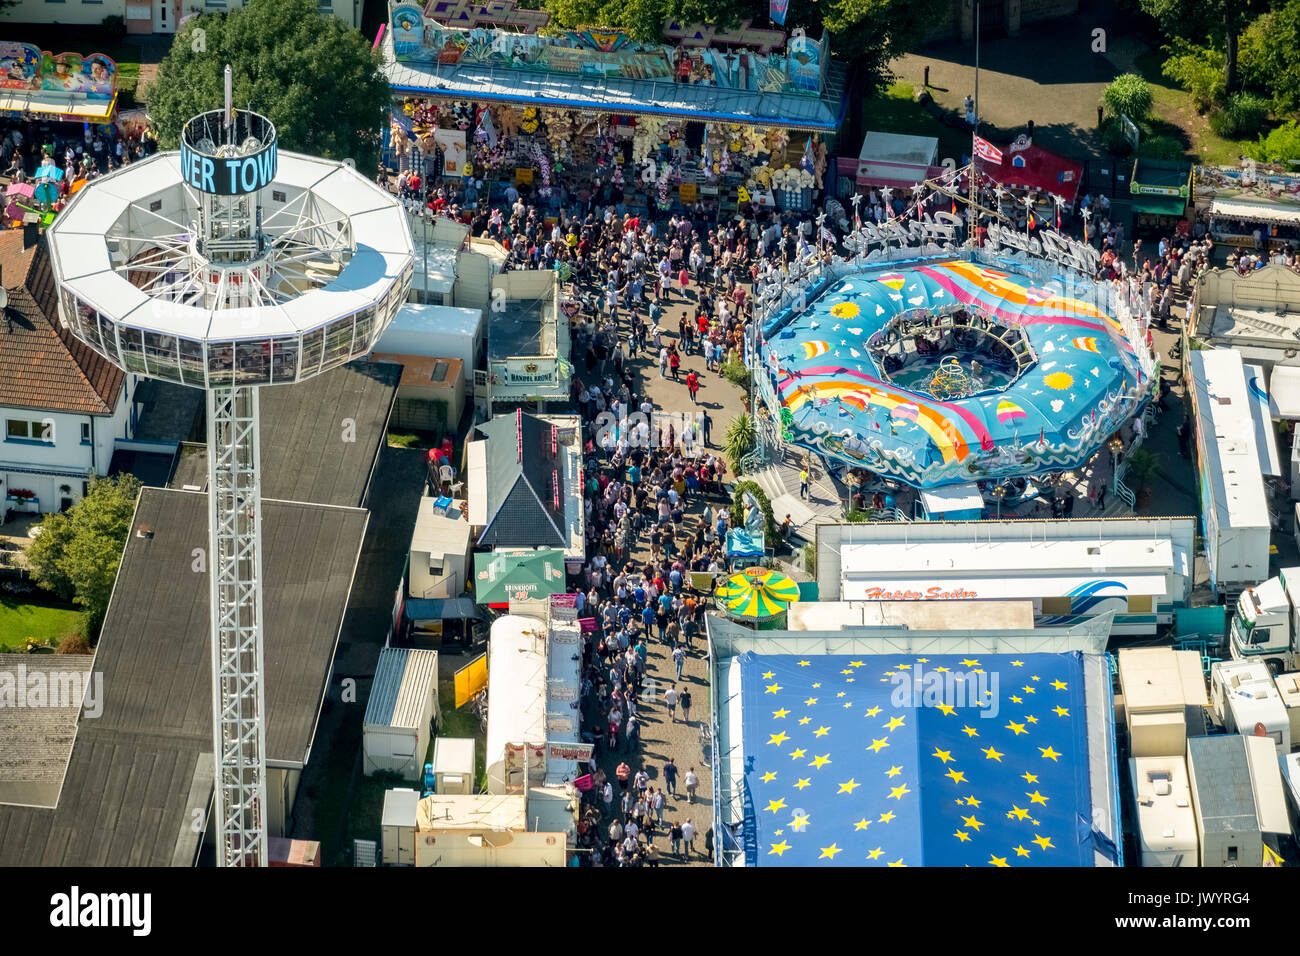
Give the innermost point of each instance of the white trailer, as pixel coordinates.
(1164, 696)
(453, 765)
(402, 710)
(1234, 507)
(1246, 701)
(398, 826)
(1166, 822)
(1237, 796)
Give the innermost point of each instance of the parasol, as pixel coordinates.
(47, 192)
(757, 593)
(76, 186)
(49, 172)
(21, 189)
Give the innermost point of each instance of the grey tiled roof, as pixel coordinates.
(521, 471)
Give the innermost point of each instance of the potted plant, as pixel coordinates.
(1142, 467)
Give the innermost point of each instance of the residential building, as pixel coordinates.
(147, 16)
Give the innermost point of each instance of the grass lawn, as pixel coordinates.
(19, 621)
(895, 111)
(461, 723)
(1173, 106)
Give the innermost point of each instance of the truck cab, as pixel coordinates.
(1265, 622)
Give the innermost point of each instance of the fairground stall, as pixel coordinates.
(1254, 206)
(59, 98)
(1159, 191)
(1025, 181)
(736, 117)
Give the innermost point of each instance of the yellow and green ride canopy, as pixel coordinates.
(757, 593)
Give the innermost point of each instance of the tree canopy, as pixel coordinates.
(317, 80)
(77, 553)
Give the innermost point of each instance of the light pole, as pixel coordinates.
(999, 492)
(853, 481)
(1116, 445)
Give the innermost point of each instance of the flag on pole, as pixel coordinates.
(1271, 857)
(776, 10)
(987, 151)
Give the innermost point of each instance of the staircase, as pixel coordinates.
(779, 479)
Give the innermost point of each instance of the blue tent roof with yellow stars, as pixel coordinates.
(948, 760)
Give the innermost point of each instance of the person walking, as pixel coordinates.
(692, 784)
(675, 838)
(708, 842)
(657, 802)
(663, 362)
(607, 795)
(632, 736)
(670, 780)
(688, 839)
(623, 772)
(706, 422)
(651, 854)
(675, 363)
(670, 699)
(803, 482)
(693, 386)
(685, 700)
(679, 659)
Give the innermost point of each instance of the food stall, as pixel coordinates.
(1254, 206)
(1160, 190)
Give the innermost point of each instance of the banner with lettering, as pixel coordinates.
(776, 10)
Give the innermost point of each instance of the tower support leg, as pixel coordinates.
(235, 608)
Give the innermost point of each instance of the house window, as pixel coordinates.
(1055, 605)
(1232, 854)
(85, 433)
(1139, 604)
(22, 429)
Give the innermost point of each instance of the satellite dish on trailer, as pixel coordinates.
(4, 299)
(350, 163)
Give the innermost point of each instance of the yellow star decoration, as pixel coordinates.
(963, 836)
(972, 822)
(1017, 813)
(779, 739)
(971, 801)
(796, 754)
(1049, 754)
(857, 663)
(893, 771)
(992, 753)
(1029, 689)
(799, 822)
(941, 670)
(1021, 851)
(803, 782)
(769, 675)
(1016, 728)
(805, 720)
(1017, 663)
(878, 745)
(1060, 684)
(998, 861)
(970, 663)
(769, 776)
(897, 793)
(872, 712)
(820, 762)
(780, 714)
(1044, 842)
(1030, 777)
(848, 703)
(1035, 677)
(947, 709)
(816, 685)
(773, 688)
(958, 776)
(828, 852)
(1061, 711)
(862, 824)
(821, 731)
(777, 804)
(1017, 700)
(898, 862)
(810, 701)
(1031, 718)
(778, 848)
(904, 667)
(1036, 797)
(970, 731)
(850, 680)
(846, 671)
(840, 694)
(887, 816)
(894, 722)
(875, 854)
(849, 787)
(805, 663)
(943, 755)
(923, 660)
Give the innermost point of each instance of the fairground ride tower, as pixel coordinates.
(227, 266)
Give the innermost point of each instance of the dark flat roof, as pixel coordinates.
(135, 773)
(154, 469)
(38, 740)
(304, 454)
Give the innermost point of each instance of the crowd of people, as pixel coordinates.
(80, 150)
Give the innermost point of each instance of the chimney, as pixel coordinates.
(31, 234)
